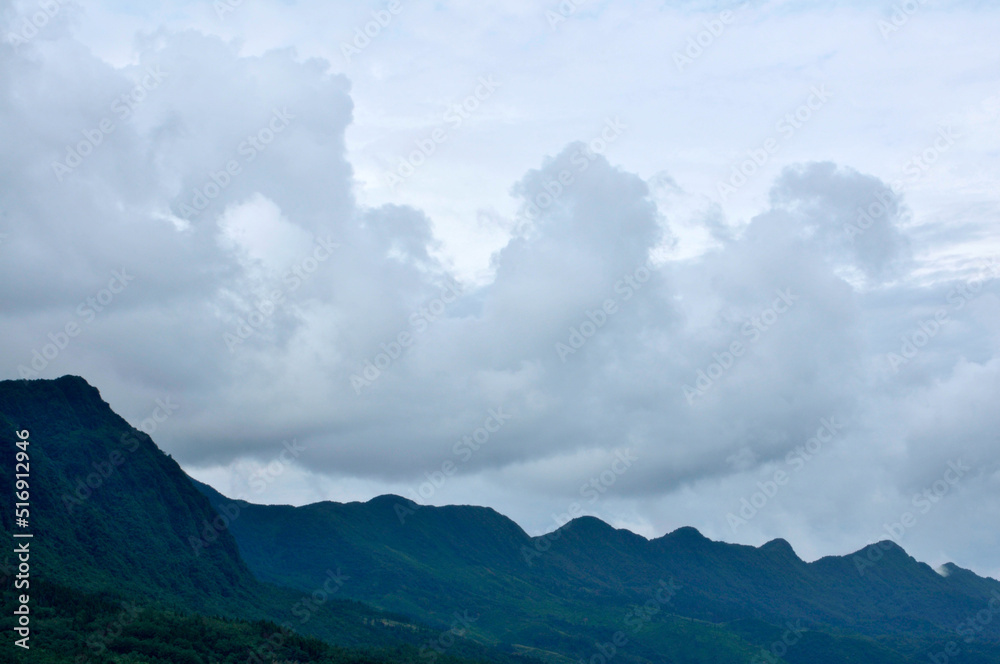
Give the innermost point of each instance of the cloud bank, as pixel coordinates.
(186, 226)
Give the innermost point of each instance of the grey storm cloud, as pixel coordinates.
(274, 306)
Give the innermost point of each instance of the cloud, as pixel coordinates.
(855, 216)
(274, 304)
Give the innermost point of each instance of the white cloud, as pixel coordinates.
(628, 257)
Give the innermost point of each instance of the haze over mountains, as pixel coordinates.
(833, 222)
(520, 332)
(436, 582)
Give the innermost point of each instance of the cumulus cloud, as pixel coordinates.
(192, 216)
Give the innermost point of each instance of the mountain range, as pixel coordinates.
(118, 524)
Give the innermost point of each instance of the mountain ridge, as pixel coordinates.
(681, 597)
(690, 533)
(611, 560)
(115, 519)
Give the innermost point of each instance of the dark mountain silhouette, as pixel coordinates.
(436, 558)
(116, 520)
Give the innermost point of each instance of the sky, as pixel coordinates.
(724, 265)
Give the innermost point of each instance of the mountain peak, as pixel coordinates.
(687, 534)
(890, 547)
(594, 529)
(881, 550)
(948, 569)
(588, 524)
(390, 499)
(956, 573)
(66, 381)
(97, 464)
(779, 546)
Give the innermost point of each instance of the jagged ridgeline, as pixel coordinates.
(109, 508)
(114, 571)
(133, 561)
